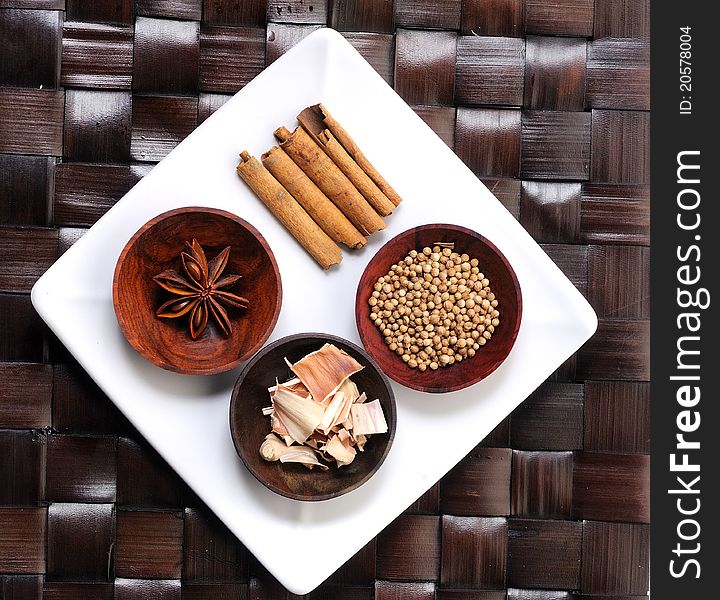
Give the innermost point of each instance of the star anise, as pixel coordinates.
(200, 290)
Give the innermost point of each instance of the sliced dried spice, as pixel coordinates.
(200, 290)
(321, 417)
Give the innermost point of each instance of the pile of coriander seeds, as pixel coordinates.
(434, 308)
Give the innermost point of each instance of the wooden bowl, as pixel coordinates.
(155, 248)
(503, 282)
(249, 426)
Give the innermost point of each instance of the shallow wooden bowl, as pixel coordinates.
(156, 247)
(249, 426)
(503, 283)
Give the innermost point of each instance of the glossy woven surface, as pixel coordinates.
(545, 101)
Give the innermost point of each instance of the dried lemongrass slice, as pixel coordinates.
(368, 418)
(299, 415)
(343, 453)
(324, 370)
(303, 455)
(294, 385)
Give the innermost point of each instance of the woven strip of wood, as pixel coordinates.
(545, 101)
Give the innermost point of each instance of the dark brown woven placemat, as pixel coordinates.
(545, 100)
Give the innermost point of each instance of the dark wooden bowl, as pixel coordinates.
(156, 247)
(503, 282)
(249, 426)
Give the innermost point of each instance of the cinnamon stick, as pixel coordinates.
(323, 211)
(287, 210)
(309, 119)
(366, 186)
(318, 166)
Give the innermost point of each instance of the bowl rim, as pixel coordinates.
(327, 337)
(187, 210)
(410, 382)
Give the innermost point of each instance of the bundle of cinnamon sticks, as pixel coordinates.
(320, 186)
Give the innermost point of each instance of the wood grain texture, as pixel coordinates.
(363, 15)
(144, 479)
(155, 248)
(31, 48)
(97, 126)
(426, 14)
(209, 103)
(618, 74)
(139, 589)
(490, 70)
(542, 484)
(474, 551)
(22, 539)
(234, 12)
(80, 406)
(359, 570)
(507, 191)
(615, 214)
(572, 259)
(376, 48)
(427, 504)
(469, 595)
(622, 276)
(550, 211)
(550, 419)
(425, 66)
(60, 590)
(555, 73)
(22, 466)
(493, 17)
(488, 141)
(617, 416)
(498, 437)
(619, 350)
(441, 119)
(149, 544)
(81, 469)
(85, 192)
(389, 590)
(297, 11)
(544, 554)
(479, 484)
(25, 395)
(622, 19)
(97, 56)
(210, 551)
(25, 189)
(555, 145)
(248, 426)
(614, 161)
(31, 121)
(561, 17)
(25, 254)
(215, 591)
(410, 548)
(281, 37)
(159, 124)
(230, 57)
(171, 9)
(87, 526)
(109, 11)
(22, 332)
(611, 487)
(617, 557)
(167, 55)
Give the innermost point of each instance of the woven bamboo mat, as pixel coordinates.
(546, 101)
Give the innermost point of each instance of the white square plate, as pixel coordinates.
(186, 418)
